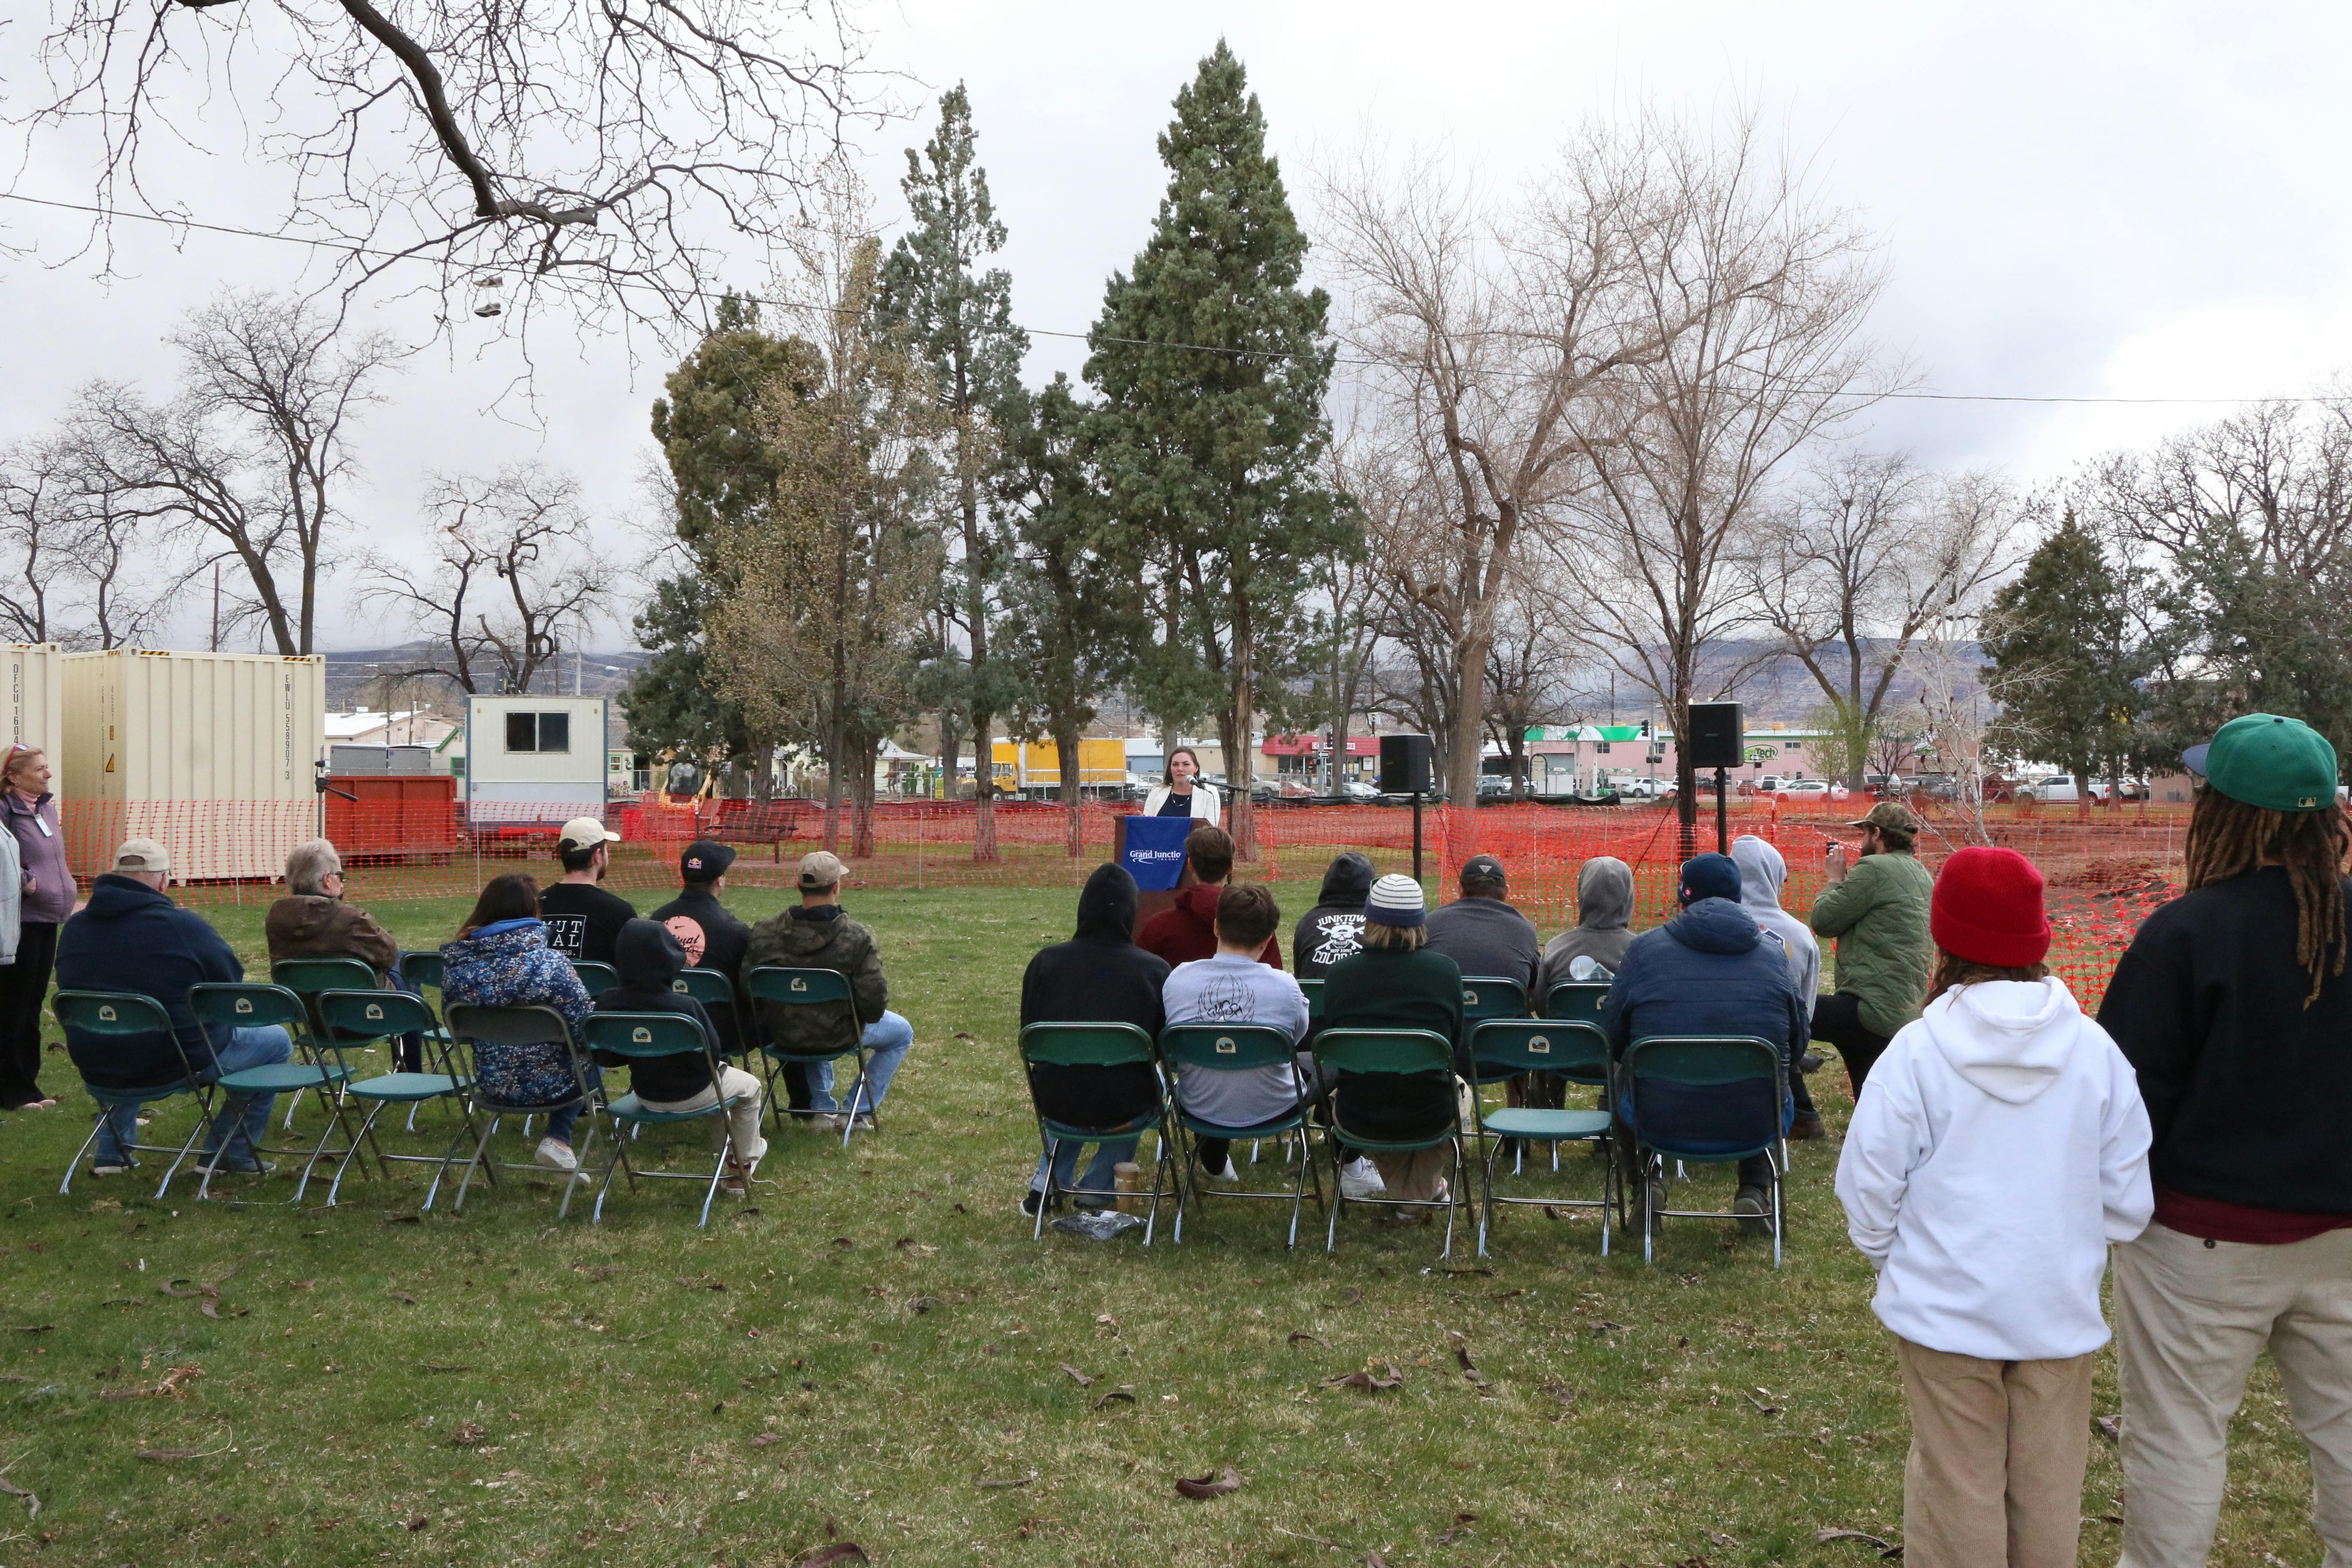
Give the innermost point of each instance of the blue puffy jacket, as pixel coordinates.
(129, 937)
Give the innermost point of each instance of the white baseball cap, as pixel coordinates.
(584, 833)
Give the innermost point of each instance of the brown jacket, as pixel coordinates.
(307, 925)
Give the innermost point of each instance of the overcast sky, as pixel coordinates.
(2137, 201)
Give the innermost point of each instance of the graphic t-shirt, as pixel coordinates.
(1227, 990)
(1324, 938)
(584, 921)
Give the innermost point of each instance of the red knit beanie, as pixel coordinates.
(1988, 909)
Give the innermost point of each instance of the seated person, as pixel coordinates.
(1396, 984)
(1761, 872)
(1188, 930)
(1234, 986)
(1098, 976)
(1481, 932)
(1709, 971)
(1334, 928)
(583, 920)
(649, 957)
(1604, 904)
(819, 936)
(313, 921)
(131, 937)
(500, 959)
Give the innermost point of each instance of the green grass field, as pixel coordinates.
(877, 1354)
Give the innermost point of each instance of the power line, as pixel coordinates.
(356, 249)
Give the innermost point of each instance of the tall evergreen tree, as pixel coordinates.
(958, 321)
(1213, 362)
(2059, 640)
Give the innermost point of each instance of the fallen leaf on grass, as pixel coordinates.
(1210, 1485)
(1561, 1391)
(1460, 1527)
(597, 1270)
(32, 1328)
(1605, 1328)
(764, 1438)
(1301, 1337)
(1720, 1539)
(1375, 1560)
(918, 1305)
(1470, 1368)
(468, 1433)
(839, 1551)
(403, 1297)
(1364, 1379)
(1081, 1379)
(1016, 1481)
(1125, 1391)
(1873, 1541)
(400, 1220)
(32, 1503)
(2111, 1427)
(1761, 1407)
(414, 1525)
(1351, 1295)
(1478, 1268)
(699, 1282)
(173, 1385)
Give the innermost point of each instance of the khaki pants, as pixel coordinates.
(742, 1117)
(1413, 1175)
(2190, 1318)
(1998, 1448)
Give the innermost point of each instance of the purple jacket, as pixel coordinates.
(41, 845)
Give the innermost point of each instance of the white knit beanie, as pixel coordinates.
(1396, 901)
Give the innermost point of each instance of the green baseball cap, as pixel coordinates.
(2278, 764)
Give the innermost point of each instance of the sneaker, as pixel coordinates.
(1810, 1063)
(248, 1166)
(1359, 1178)
(1753, 1206)
(1227, 1176)
(558, 1155)
(114, 1168)
(1031, 1201)
(1805, 1129)
(826, 1121)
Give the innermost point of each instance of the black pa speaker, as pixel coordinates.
(1404, 764)
(1718, 737)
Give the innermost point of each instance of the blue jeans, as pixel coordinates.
(560, 1121)
(886, 1039)
(1100, 1175)
(243, 1119)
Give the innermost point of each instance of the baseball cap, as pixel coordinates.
(705, 861)
(584, 833)
(1709, 876)
(1888, 813)
(1484, 869)
(821, 869)
(2275, 763)
(143, 855)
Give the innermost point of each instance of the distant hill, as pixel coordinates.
(380, 677)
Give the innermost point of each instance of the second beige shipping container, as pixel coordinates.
(31, 704)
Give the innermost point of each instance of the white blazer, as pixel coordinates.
(1207, 806)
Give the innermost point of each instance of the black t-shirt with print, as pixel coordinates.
(584, 921)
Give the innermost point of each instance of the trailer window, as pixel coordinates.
(539, 732)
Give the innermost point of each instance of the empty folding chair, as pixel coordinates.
(843, 1035)
(639, 1036)
(1313, 988)
(128, 1013)
(1189, 1049)
(1703, 1100)
(1406, 1054)
(1095, 1046)
(305, 977)
(475, 1026)
(1506, 1047)
(597, 976)
(352, 1021)
(245, 1006)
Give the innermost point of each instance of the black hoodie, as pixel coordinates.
(649, 957)
(1334, 928)
(1098, 976)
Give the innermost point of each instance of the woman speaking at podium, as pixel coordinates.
(1184, 794)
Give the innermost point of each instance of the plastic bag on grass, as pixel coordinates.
(1100, 1225)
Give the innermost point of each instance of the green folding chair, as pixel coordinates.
(715, 990)
(1186, 1049)
(476, 1026)
(1506, 1047)
(596, 975)
(305, 977)
(772, 986)
(1703, 1100)
(1577, 999)
(1485, 996)
(248, 1006)
(638, 1037)
(1095, 1046)
(350, 1022)
(1314, 990)
(1418, 1054)
(126, 1013)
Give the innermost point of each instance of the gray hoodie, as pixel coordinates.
(1604, 904)
(1761, 872)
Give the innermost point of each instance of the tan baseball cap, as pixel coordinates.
(821, 869)
(1891, 814)
(143, 855)
(584, 833)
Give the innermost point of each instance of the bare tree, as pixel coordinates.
(76, 569)
(1766, 289)
(512, 579)
(1867, 556)
(245, 463)
(608, 151)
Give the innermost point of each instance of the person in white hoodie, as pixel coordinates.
(1999, 1146)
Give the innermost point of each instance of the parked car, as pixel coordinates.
(2128, 789)
(1812, 789)
(1493, 787)
(1358, 790)
(1771, 784)
(2051, 789)
(1639, 789)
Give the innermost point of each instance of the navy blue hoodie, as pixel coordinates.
(129, 937)
(1709, 971)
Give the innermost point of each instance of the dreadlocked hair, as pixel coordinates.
(2227, 837)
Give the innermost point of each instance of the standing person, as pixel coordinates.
(1997, 1148)
(649, 956)
(47, 896)
(1183, 793)
(500, 958)
(2232, 1004)
(1761, 872)
(1603, 931)
(1234, 986)
(1396, 984)
(1098, 976)
(582, 920)
(1334, 928)
(820, 934)
(1878, 913)
(1187, 928)
(1481, 932)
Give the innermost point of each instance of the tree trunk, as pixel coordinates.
(950, 751)
(983, 809)
(1240, 770)
(1469, 724)
(1066, 747)
(862, 792)
(1685, 778)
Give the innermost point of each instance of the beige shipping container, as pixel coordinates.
(212, 754)
(29, 675)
